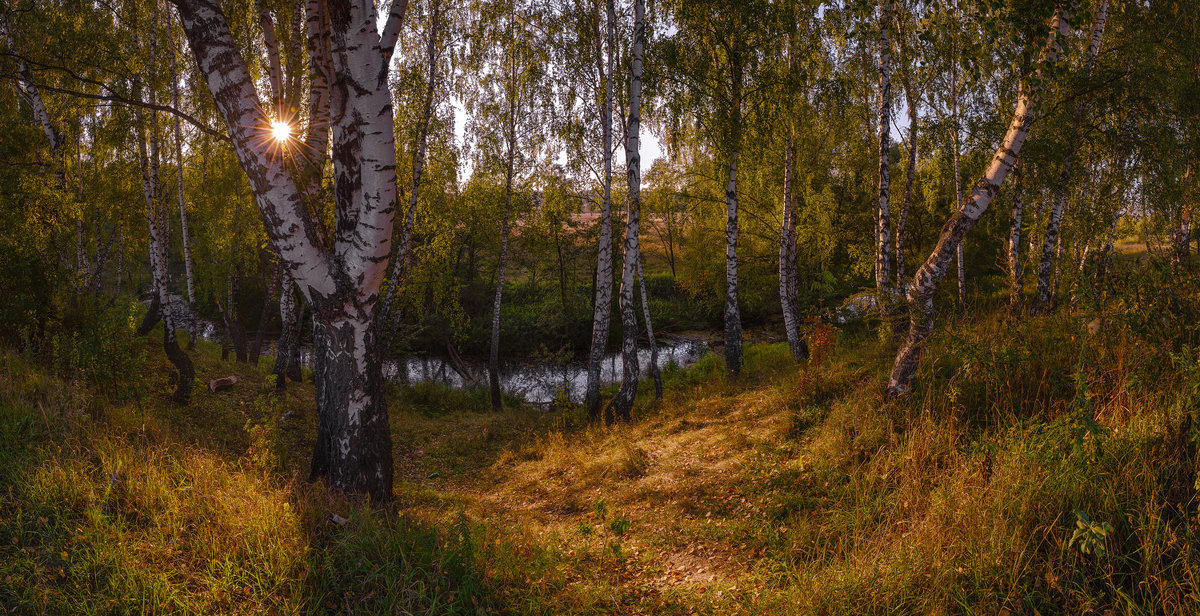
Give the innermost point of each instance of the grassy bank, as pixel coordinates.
(1040, 468)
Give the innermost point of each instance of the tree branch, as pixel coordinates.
(112, 95)
(391, 30)
(113, 98)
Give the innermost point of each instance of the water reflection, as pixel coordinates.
(541, 383)
(534, 382)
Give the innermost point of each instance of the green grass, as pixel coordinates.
(1038, 468)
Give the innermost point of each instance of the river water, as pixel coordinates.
(541, 382)
(535, 382)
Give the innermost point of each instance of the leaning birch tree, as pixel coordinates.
(930, 274)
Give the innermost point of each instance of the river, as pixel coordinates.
(538, 383)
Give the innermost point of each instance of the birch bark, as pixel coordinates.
(158, 252)
(788, 277)
(1042, 299)
(1016, 290)
(194, 332)
(622, 404)
(958, 250)
(733, 318)
(602, 307)
(655, 373)
(341, 278)
(401, 260)
(883, 228)
(494, 354)
(911, 174)
(931, 273)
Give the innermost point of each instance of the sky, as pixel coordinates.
(651, 147)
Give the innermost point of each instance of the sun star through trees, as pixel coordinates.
(281, 131)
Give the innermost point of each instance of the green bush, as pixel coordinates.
(98, 345)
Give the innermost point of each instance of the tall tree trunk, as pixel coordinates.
(958, 251)
(655, 373)
(733, 317)
(1042, 299)
(930, 274)
(353, 449)
(494, 354)
(400, 262)
(602, 302)
(158, 248)
(194, 332)
(341, 278)
(1015, 286)
(911, 174)
(788, 277)
(81, 254)
(883, 225)
(622, 404)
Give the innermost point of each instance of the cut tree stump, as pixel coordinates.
(216, 385)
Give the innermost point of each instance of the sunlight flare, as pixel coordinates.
(281, 131)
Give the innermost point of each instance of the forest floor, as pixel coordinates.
(1039, 469)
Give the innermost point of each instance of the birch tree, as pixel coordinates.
(712, 66)
(794, 88)
(910, 99)
(506, 99)
(622, 404)
(1015, 285)
(156, 213)
(602, 297)
(930, 274)
(341, 282)
(883, 227)
(1051, 241)
(183, 218)
(400, 262)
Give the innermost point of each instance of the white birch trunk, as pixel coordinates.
(622, 404)
(494, 353)
(733, 318)
(602, 307)
(883, 227)
(341, 284)
(1042, 299)
(930, 274)
(1016, 290)
(910, 175)
(401, 260)
(958, 252)
(183, 221)
(158, 249)
(788, 278)
(655, 373)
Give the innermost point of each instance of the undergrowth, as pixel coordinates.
(1043, 466)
